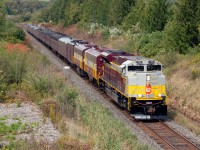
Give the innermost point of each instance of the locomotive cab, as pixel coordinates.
(145, 88)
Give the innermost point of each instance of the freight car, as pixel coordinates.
(134, 82)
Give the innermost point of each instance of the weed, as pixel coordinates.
(46, 105)
(3, 118)
(40, 83)
(3, 89)
(16, 126)
(10, 137)
(10, 130)
(195, 74)
(110, 132)
(186, 122)
(52, 112)
(19, 104)
(13, 67)
(66, 98)
(131, 46)
(114, 32)
(45, 61)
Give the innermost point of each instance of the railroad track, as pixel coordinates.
(166, 137)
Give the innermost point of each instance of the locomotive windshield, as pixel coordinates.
(135, 68)
(154, 68)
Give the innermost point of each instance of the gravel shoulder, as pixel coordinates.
(32, 124)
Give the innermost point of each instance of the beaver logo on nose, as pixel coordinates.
(148, 88)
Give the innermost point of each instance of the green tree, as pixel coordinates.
(2, 13)
(54, 11)
(72, 12)
(152, 15)
(118, 9)
(182, 30)
(103, 12)
(135, 14)
(89, 11)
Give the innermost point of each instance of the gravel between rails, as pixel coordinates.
(92, 95)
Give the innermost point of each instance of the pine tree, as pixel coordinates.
(90, 11)
(152, 15)
(72, 12)
(182, 30)
(2, 13)
(118, 9)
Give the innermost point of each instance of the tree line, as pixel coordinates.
(158, 25)
(176, 22)
(8, 31)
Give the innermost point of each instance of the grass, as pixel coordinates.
(9, 131)
(109, 133)
(182, 85)
(184, 121)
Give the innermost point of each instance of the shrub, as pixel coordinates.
(195, 74)
(66, 98)
(13, 66)
(106, 34)
(151, 44)
(168, 58)
(50, 108)
(42, 84)
(19, 34)
(132, 45)
(3, 88)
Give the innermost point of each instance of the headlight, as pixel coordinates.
(148, 78)
(160, 95)
(141, 95)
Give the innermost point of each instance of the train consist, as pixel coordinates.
(134, 82)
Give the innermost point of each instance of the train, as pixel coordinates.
(134, 82)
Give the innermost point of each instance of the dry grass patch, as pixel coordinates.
(184, 121)
(183, 86)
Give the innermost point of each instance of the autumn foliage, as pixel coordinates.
(17, 47)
